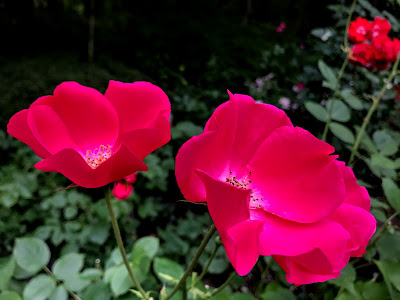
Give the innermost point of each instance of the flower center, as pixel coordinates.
(99, 155)
(244, 184)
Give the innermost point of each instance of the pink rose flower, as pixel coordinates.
(274, 189)
(281, 27)
(91, 138)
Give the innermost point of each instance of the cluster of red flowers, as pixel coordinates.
(372, 48)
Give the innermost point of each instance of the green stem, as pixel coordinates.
(117, 234)
(216, 291)
(383, 227)
(341, 71)
(374, 105)
(48, 271)
(193, 262)
(206, 267)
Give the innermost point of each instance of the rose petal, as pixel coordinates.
(241, 245)
(293, 172)
(298, 275)
(49, 129)
(88, 116)
(283, 237)
(144, 141)
(208, 152)
(355, 194)
(71, 164)
(359, 223)
(18, 128)
(228, 205)
(251, 123)
(137, 104)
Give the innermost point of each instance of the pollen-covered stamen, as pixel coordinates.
(244, 184)
(99, 155)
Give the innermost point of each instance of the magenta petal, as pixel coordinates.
(207, 152)
(137, 104)
(298, 275)
(71, 164)
(355, 194)
(144, 141)
(88, 116)
(49, 129)
(241, 245)
(18, 128)
(251, 124)
(227, 204)
(283, 237)
(359, 223)
(293, 172)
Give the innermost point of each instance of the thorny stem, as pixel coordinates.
(216, 291)
(193, 262)
(344, 65)
(117, 234)
(47, 270)
(375, 103)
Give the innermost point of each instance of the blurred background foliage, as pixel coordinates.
(194, 51)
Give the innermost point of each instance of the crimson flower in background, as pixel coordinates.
(372, 48)
(379, 26)
(274, 189)
(359, 30)
(91, 138)
(122, 190)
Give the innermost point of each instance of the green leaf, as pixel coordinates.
(9, 295)
(7, 268)
(168, 267)
(75, 283)
(339, 111)
(382, 161)
(68, 266)
(347, 276)
(328, 74)
(143, 252)
(388, 246)
(385, 268)
(59, 294)
(277, 293)
(31, 253)
(317, 110)
(98, 291)
(392, 192)
(121, 281)
(241, 296)
(378, 214)
(378, 204)
(384, 142)
(39, 288)
(353, 101)
(374, 291)
(342, 132)
(90, 274)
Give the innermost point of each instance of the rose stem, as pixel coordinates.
(117, 234)
(375, 103)
(194, 261)
(340, 74)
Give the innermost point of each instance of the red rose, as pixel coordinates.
(91, 138)
(362, 54)
(359, 30)
(274, 189)
(379, 26)
(382, 52)
(122, 191)
(396, 48)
